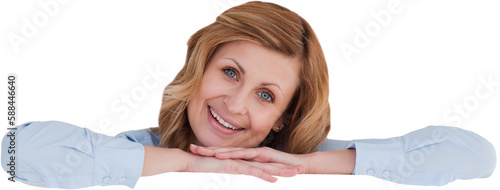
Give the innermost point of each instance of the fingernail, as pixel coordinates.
(299, 168)
(193, 145)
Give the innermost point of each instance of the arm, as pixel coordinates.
(330, 162)
(58, 154)
(433, 155)
(429, 156)
(160, 160)
(327, 162)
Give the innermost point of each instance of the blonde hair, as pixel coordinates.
(272, 26)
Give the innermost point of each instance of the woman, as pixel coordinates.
(256, 77)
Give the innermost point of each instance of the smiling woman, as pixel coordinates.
(276, 46)
(252, 98)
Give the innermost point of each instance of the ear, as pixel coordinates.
(281, 123)
(278, 126)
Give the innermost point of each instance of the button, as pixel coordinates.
(106, 179)
(122, 180)
(370, 172)
(386, 173)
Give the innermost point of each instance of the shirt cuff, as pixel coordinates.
(118, 162)
(381, 158)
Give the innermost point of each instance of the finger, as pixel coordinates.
(259, 155)
(203, 150)
(277, 169)
(194, 149)
(222, 149)
(243, 154)
(285, 171)
(301, 168)
(247, 169)
(211, 151)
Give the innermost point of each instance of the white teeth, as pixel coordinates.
(221, 121)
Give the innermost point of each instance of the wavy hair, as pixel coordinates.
(279, 29)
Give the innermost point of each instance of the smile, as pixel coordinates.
(222, 122)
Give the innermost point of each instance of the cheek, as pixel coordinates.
(259, 131)
(211, 86)
(263, 120)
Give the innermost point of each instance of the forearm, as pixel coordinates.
(331, 162)
(161, 160)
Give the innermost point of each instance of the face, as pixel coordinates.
(244, 91)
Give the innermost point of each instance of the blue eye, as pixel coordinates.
(266, 96)
(231, 73)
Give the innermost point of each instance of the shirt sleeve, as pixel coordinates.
(58, 154)
(435, 155)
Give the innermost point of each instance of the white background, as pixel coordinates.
(427, 59)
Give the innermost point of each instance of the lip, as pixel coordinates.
(218, 127)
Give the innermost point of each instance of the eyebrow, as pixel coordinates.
(262, 84)
(272, 84)
(238, 64)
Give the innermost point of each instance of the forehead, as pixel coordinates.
(256, 60)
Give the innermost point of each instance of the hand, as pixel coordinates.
(262, 155)
(265, 171)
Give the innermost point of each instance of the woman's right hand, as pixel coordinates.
(265, 171)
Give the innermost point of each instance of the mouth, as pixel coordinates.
(221, 125)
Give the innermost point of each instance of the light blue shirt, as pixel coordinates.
(58, 154)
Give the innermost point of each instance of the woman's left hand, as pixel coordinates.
(261, 154)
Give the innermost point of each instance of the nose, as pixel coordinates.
(236, 101)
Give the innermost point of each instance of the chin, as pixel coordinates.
(212, 140)
(215, 141)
